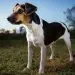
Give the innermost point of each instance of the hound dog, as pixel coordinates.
(39, 32)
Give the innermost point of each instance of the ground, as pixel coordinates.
(13, 59)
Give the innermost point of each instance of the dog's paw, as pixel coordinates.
(41, 71)
(51, 57)
(71, 59)
(26, 71)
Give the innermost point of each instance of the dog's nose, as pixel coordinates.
(8, 18)
(11, 19)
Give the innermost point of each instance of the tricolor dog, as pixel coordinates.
(39, 32)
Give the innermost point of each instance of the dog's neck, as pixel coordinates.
(33, 20)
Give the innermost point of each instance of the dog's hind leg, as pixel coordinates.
(67, 40)
(52, 51)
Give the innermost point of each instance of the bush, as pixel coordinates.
(12, 39)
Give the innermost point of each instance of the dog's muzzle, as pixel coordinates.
(12, 19)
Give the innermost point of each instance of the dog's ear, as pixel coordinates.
(29, 8)
(17, 4)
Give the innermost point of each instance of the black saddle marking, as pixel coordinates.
(52, 31)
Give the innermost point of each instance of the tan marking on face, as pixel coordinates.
(21, 17)
(24, 18)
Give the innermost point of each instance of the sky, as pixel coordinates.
(49, 10)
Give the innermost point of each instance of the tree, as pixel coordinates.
(70, 16)
(70, 19)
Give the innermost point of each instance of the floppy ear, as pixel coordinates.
(29, 8)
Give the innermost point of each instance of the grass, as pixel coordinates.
(13, 59)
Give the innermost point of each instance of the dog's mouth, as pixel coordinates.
(13, 20)
(19, 22)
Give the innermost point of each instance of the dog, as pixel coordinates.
(39, 32)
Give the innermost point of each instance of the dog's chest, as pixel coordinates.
(35, 35)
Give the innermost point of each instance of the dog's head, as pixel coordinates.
(21, 13)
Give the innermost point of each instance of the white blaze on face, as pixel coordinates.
(18, 16)
(15, 9)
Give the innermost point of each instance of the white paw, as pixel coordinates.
(41, 71)
(51, 57)
(26, 71)
(71, 59)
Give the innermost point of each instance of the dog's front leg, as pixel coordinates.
(43, 58)
(30, 55)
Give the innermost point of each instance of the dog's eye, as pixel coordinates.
(20, 11)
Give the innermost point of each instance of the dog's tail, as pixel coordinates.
(65, 26)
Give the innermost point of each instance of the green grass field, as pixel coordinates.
(13, 59)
